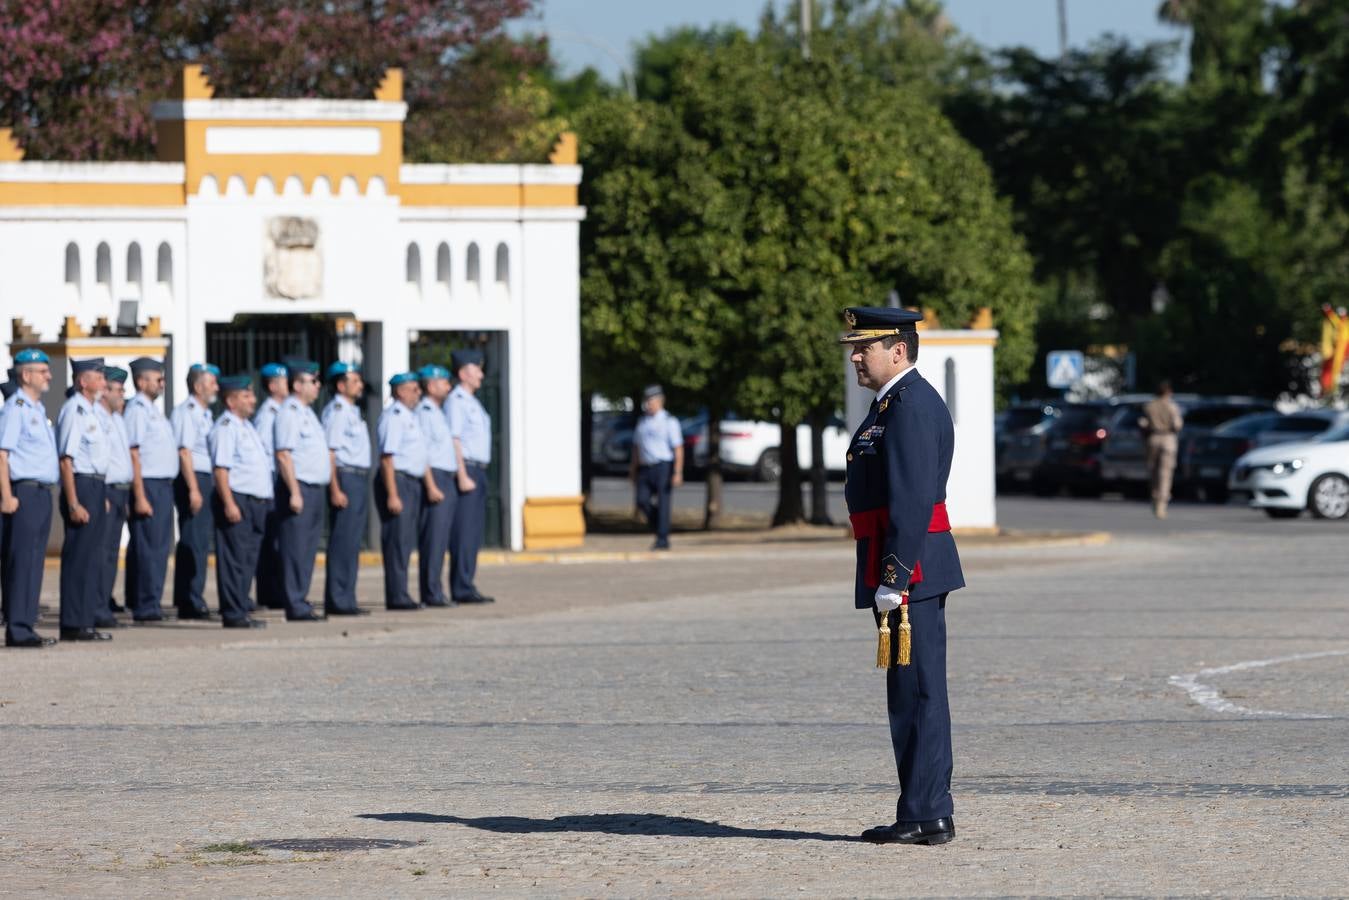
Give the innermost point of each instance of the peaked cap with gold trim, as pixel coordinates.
(867, 323)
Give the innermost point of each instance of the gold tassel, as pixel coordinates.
(883, 643)
(905, 633)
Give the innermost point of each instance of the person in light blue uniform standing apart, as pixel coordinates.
(28, 471)
(83, 447)
(303, 473)
(242, 496)
(271, 591)
(192, 491)
(348, 489)
(118, 486)
(471, 428)
(657, 462)
(399, 490)
(433, 531)
(154, 464)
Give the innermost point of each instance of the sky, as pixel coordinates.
(602, 33)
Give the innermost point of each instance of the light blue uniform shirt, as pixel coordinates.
(470, 423)
(80, 435)
(346, 433)
(656, 438)
(191, 426)
(264, 420)
(148, 430)
(436, 429)
(119, 446)
(298, 430)
(30, 441)
(236, 445)
(401, 437)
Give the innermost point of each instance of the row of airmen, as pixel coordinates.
(255, 478)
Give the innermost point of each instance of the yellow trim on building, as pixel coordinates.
(554, 522)
(972, 341)
(76, 194)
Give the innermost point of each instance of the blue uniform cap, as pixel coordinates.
(402, 378)
(80, 366)
(145, 364)
(235, 383)
(294, 364)
(31, 355)
(867, 323)
(653, 390)
(465, 357)
(114, 373)
(432, 371)
(340, 368)
(206, 367)
(273, 370)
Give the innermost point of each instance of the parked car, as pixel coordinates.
(1124, 458)
(616, 457)
(754, 448)
(1302, 426)
(604, 426)
(1284, 479)
(1019, 444)
(1072, 453)
(1206, 461)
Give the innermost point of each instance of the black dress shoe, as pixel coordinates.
(307, 617)
(244, 623)
(402, 607)
(661, 545)
(348, 612)
(148, 620)
(440, 604)
(475, 597)
(34, 641)
(938, 831)
(114, 606)
(200, 615)
(109, 623)
(84, 634)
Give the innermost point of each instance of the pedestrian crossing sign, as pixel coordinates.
(1064, 368)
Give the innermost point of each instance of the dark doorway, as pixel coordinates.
(436, 347)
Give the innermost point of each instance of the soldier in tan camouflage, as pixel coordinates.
(1161, 422)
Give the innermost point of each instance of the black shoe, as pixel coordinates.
(402, 607)
(244, 623)
(440, 604)
(200, 615)
(475, 597)
(114, 606)
(109, 623)
(938, 831)
(148, 620)
(84, 634)
(661, 545)
(36, 640)
(307, 617)
(357, 611)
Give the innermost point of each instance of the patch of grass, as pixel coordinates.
(230, 847)
(418, 871)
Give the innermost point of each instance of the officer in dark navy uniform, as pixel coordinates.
(471, 427)
(303, 471)
(403, 476)
(433, 531)
(83, 447)
(118, 485)
(348, 490)
(154, 464)
(242, 496)
(28, 471)
(192, 491)
(898, 464)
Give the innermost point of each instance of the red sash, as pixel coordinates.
(873, 523)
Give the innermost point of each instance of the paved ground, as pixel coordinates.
(1163, 714)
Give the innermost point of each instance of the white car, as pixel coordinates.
(1285, 479)
(753, 447)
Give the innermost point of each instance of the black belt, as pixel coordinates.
(475, 464)
(401, 474)
(354, 470)
(663, 462)
(238, 496)
(91, 477)
(25, 482)
(311, 484)
(121, 486)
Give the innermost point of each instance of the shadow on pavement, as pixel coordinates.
(611, 823)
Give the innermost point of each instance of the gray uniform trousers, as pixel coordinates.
(434, 539)
(345, 529)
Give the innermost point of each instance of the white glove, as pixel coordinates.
(887, 599)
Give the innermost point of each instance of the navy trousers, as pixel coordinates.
(433, 538)
(25, 552)
(470, 518)
(112, 540)
(397, 536)
(194, 545)
(237, 547)
(147, 551)
(920, 718)
(653, 497)
(298, 537)
(82, 555)
(271, 579)
(345, 529)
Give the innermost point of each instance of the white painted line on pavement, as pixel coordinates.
(1212, 699)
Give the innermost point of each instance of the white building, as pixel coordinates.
(279, 226)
